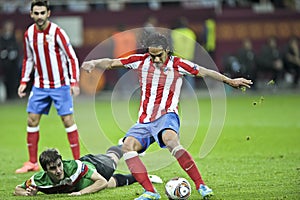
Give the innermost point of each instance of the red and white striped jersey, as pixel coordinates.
(52, 55)
(160, 87)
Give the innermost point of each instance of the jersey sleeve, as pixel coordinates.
(26, 184)
(85, 180)
(91, 169)
(36, 180)
(75, 169)
(65, 44)
(28, 62)
(133, 61)
(186, 67)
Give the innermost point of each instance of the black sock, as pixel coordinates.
(117, 150)
(122, 179)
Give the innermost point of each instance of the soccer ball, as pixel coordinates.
(178, 188)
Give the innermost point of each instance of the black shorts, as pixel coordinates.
(104, 164)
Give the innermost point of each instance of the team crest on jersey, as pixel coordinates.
(166, 70)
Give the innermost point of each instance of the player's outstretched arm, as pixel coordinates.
(236, 83)
(30, 191)
(103, 63)
(99, 183)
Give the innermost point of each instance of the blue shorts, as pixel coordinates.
(147, 133)
(40, 100)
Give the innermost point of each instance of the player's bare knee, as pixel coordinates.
(127, 147)
(170, 139)
(131, 144)
(32, 121)
(68, 120)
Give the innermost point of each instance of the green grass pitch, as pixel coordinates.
(257, 155)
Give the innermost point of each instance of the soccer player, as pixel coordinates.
(89, 174)
(160, 76)
(48, 50)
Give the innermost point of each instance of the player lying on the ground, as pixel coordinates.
(89, 174)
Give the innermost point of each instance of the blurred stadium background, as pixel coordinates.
(90, 22)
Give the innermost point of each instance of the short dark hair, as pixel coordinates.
(49, 156)
(40, 3)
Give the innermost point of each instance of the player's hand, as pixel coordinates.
(21, 90)
(75, 90)
(31, 191)
(75, 194)
(88, 66)
(240, 82)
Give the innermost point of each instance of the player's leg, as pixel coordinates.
(33, 135)
(185, 160)
(137, 168)
(131, 147)
(115, 152)
(63, 103)
(32, 143)
(120, 143)
(72, 132)
(119, 180)
(38, 103)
